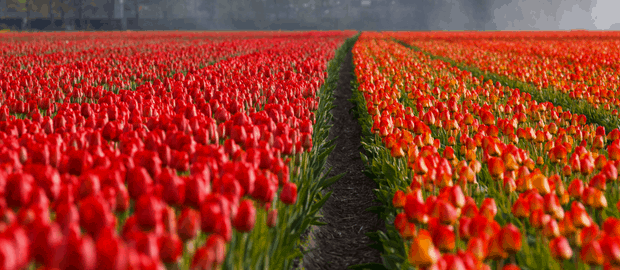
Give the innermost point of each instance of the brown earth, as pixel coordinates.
(342, 242)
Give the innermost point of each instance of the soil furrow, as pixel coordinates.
(343, 241)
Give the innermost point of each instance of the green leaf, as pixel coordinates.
(328, 182)
(377, 209)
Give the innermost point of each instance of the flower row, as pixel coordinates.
(492, 151)
(193, 166)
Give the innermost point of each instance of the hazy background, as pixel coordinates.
(310, 14)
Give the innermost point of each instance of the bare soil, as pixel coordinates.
(342, 242)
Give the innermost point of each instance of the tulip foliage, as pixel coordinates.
(163, 150)
(476, 174)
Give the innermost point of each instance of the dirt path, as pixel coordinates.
(342, 242)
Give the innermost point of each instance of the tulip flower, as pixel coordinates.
(510, 239)
(246, 216)
(211, 255)
(272, 217)
(289, 193)
(422, 252)
(592, 254)
(560, 248)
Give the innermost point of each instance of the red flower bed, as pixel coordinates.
(144, 150)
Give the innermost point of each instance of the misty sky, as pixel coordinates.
(356, 14)
(545, 15)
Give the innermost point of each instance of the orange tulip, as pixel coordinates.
(496, 167)
(422, 252)
(540, 183)
(495, 249)
(521, 209)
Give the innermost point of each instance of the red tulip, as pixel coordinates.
(19, 190)
(139, 182)
(148, 211)
(488, 208)
(399, 199)
(45, 241)
(174, 188)
(211, 255)
(272, 217)
(444, 238)
(592, 254)
(8, 255)
(610, 245)
(510, 238)
(215, 217)
(188, 224)
(246, 216)
(415, 209)
(76, 253)
(170, 248)
(478, 247)
(289, 193)
(560, 249)
(196, 189)
(94, 214)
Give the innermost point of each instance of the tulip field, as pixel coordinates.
(172, 150)
(208, 150)
(493, 150)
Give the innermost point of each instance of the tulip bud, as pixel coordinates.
(149, 211)
(422, 252)
(171, 248)
(188, 224)
(444, 238)
(246, 216)
(510, 238)
(610, 246)
(488, 208)
(211, 255)
(289, 193)
(495, 249)
(399, 199)
(272, 218)
(592, 254)
(560, 249)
